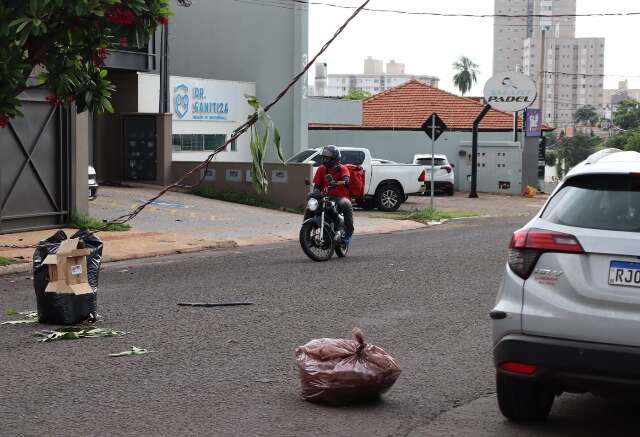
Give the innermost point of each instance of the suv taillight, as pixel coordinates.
(528, 244)
(447, 168)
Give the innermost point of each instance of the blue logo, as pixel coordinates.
(182, 100)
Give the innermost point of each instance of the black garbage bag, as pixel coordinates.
(66, 308)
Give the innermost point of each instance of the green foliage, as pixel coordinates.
(4, 261)
(357, 94)
(62, 45)
(587, 115)
(83, 221)
(261, 133)
(427, 214)
(629, 140)
(467, 74)
(570, 151)
(627, 115)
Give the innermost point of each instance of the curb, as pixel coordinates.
(27, 267)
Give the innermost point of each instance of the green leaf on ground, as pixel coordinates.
(133, 351)
(4, 261)
(83, 221)
(11, 312)
(75, 333)
(18, 322)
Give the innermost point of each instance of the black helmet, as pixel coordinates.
(332, 154)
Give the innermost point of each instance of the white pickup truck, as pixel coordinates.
(386, 186)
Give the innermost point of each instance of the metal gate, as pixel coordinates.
(34, 168)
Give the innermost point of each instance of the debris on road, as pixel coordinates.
(65, 280)
(340, 372)
(27, 317)
(211, 305)
(133, 351)
(75, 333)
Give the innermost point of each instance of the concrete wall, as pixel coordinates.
(287, 186)
(247, 42)
(401, 146)
(334, 111)
(80, 163)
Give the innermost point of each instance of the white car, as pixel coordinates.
(93, 183)
(387, 185)
(445, 178)
(567, 315)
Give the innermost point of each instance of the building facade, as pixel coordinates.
(392, 128)
(569, 71)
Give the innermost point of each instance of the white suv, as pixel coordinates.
(567, 317)
(444, 180)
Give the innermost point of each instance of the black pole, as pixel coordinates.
(515, 126)
(164, 69)
(474, 152)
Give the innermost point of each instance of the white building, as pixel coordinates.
(205, 113)
(613, 97)
(568, 70)
(374, 80)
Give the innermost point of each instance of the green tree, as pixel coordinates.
(629, 140)
(627, 115)
(64, 44)
(467, 74)
(357, 94)
(587, 115)
(570, 151)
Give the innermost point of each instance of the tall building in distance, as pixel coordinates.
(374, 80)
(569, 71)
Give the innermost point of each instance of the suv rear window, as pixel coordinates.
(427, 161)
(598, 201)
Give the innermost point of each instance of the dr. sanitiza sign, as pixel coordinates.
(202, 100)
(510, 92)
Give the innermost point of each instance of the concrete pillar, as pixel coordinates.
(79, 200)
(165, 149)
(300, 58)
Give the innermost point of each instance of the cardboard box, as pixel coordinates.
(68, 269)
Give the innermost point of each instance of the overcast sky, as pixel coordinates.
(429, 45)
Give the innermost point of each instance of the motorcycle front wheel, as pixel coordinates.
(316, 249)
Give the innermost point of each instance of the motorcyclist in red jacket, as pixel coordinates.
(334, 177)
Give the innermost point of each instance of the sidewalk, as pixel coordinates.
(181, 223)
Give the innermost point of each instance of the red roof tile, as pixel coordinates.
(409, 105)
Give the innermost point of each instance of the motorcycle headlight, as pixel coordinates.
(312, 205)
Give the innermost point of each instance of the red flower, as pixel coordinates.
(4, 121)
(54, 101)
(124, 41)
(163, 20)
(125, 17)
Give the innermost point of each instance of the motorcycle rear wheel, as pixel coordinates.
(308, 234)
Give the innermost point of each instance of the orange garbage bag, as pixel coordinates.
(339, 372)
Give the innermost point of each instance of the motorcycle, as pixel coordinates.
(323, 232)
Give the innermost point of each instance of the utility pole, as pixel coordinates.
(542, 66)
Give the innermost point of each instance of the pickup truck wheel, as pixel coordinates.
(388, 198)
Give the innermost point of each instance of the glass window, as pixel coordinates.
(302, 156)
(354, 157)
(605, 201)
(197, 142)
(427, 161)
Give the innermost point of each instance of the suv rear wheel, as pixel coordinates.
(523, 400)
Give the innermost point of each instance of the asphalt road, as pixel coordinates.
(422, 295)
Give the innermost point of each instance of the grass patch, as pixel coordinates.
(82, 221)
(11, 312)
(251, 199)
(432, 214)
(426, 215)
(4, 261)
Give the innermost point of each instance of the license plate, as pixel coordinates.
(626, 274)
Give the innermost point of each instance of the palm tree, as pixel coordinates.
(587, 115)
(467, 74)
